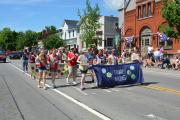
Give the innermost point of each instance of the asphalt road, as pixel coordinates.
(20, 99)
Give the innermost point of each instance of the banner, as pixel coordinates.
(112, 75)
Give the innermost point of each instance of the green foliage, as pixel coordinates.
(53, 41)
(51, 29)
(30, 38)
(12, 40)
(89, 23)
(7, 39)
(27, 39)
(171, 12)
(20, 41)
(168, 30)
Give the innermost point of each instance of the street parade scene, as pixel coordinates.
(90, 60)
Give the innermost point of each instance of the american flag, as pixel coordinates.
(163, 37)
(129, 39)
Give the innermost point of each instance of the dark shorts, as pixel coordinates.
(42, 69)
(150, 55)
(83, 71)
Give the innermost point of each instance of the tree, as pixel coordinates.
(30, 38)
(51, 29)
(20, 41)
(171, 12)
(89, 23)
(53, 41)
(27, 39)
(7, 39)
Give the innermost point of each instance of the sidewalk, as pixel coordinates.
(155, 69)
(8, 108)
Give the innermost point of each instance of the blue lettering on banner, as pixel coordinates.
(112, 75)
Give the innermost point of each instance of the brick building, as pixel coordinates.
(142, 19)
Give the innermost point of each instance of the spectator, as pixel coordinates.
(165, 61)
(157, 55)
(135, 56)
(175, 62)
(112, 59)
(123, 56)
(150, 51)
(25, 58)
(100, 58)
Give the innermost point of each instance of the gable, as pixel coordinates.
(131, 5)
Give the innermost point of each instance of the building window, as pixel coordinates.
(139, 11)
(100, 42)
(69, 34)
(73, 33)
(109, 42)
(65, 35)
(149, 9)
(144, 11)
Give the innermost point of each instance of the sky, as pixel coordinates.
(22, 15)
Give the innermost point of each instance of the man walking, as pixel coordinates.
(72, 66)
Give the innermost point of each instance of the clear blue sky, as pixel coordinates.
(21, 15)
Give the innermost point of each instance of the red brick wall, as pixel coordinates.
(133, 25)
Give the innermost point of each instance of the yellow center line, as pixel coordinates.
(157, 87)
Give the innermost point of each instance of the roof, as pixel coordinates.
(125, 5)
(71, 22)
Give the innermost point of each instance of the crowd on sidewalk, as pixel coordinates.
(156, 58)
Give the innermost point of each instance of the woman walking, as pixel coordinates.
(53, 66)
(41, 63)
(32, 65)
(83, 67)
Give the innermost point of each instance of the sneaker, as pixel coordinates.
(45, 88)
(53, 86)
(74, 82)
(82, 88)
(39, 86)
(67, 82)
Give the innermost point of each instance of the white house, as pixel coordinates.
(68, 33)
(107, 31)
(105, 35)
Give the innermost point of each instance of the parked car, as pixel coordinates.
(8, 52)
(16, 55)
(3, 55)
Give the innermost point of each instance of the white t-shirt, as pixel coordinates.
(134, 56)
(82, 59)
(150, 49)
(157, 53)
(113, 58)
